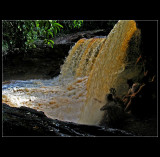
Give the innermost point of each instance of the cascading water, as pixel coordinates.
(92, 67)
(109, 70)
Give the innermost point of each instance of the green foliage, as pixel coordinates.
(71, 25)
(42, 30)
(76, 24)
(4, 46)
(23, 33)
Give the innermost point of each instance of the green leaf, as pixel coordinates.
(50, 33)
(34, 46)
(51, 42)
(37, 24)
(45, 41)
(47, 25)
(55, 31)
(59, 25)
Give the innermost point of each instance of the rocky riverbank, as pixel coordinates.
(25, 121)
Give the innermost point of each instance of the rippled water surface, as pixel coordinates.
(58, 99)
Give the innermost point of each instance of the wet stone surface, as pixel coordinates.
(25, 121)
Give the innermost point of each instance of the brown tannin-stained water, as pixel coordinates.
(92, 67)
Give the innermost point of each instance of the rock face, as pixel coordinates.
(25, 121)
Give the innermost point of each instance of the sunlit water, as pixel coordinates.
(60, 100)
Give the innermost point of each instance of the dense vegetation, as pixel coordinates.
(22, 34)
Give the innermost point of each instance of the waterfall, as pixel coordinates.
(104, 61)
(92, 67)
(109, 70)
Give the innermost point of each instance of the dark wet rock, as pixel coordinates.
(72, 38)
(25, 121)
(113, 115)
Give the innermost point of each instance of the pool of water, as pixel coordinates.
(58, 98)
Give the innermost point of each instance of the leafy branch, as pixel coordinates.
(23, 33)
